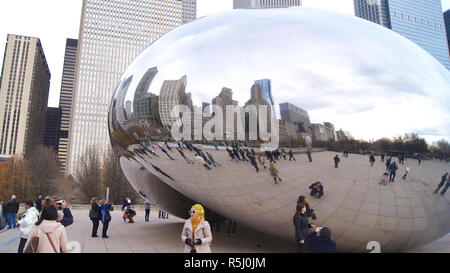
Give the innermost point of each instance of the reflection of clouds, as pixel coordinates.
(358, 75)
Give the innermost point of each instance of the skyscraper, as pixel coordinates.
(171, 95)
(447, 26)
(52, 127)
(112, 33)
(24, 85)
(420, 21)
(65, 98)
(239, 4)
(266, 86)
(292, 113)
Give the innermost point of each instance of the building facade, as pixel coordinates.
(112, 34)
(65, 99)
(172, 94)
(420, 21)
(266, 86)
(256, 4)
(447, 26)
(24, 89)
(52, 127)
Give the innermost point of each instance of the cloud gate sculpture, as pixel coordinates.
(299, 67)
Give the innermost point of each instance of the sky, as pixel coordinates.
(54, 20)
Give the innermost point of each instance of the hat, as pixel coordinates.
(325, 232)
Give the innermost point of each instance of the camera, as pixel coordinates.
(59, 204)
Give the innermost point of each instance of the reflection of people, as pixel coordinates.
(321, 243)
(261, 161)
(316, 189)
(196, 233)
(309, 212)
(147, 210)
(406, 173)
(447, 185)
(231, 229)
(372, 160)
(301, 227)
(443, 179)
(393, 170)
(274, 172)
(384, 178)
(336, 161)
(308, 153)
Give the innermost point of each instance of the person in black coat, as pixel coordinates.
(336, 161)
(67, 219)
(322, 243)
(393, 169)
(95, 215)
(39, 203)
(13, 209)
(309, 212)
(301, 227)
(316, 189)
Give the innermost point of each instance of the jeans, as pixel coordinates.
(105, 228)
(147, 214)
(22, 243)
(94, 227)
(11, 220)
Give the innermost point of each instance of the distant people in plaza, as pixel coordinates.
(52, 235)
(215, 221)
(126, 203)
(231, 228)
(336, 161)
(184, 156)
(269, 157)
(442, 183)
(384, 178)
(301, 225)
(105, 208)
(291, 155)
(13, 209)
(196, 233)
(261, 161)
(372, 160)
(345, 153)
(211, 158)
(26, 224)
(316, 189)
(39, 203)
(447, 185)
(202, 162)
(162, 214)
(309, 212)
(129, 213)
(164, 151)
(283, 154)
(274, 172)
(382, 157)
(388, 163)
(419, 159)
(393, 170)
(231, 155)
(406, 173)
(319, 241)
(147, 210)
(241, 152)
(95, 216)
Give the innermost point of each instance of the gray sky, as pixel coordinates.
(54, 20)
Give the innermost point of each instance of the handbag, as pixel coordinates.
(107, 217)
(93, 214)
(33, 244)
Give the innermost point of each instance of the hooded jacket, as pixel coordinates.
(57, 233)
(26, 223)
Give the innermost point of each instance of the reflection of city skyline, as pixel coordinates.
(294, 122)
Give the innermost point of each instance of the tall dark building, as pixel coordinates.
(52, 127)
(65, 99)
(292, 113)
(447, 27)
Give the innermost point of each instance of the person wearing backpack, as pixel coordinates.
(52, 237)
(26, 224)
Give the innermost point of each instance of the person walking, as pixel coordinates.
(95, 216)
(26, 224)
(308, 153)
(406, 173)
(388, 163)
(39, 203)
(372, 160)
(443, 179)
(283, 154)
(196, 233)
(184, 156)
(301, 225)
(211, 158)
(13, 209)
(447, 185)
(382, 157)
(52, 235)
(393, 170)
(231, 229)
(253, 161)
(321, 243)
(336, 161)
(106, 217)
(291, 155)
(202, 162)
(274, 172)
(261, 161)
(147, 210)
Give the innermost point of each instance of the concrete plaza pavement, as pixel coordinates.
(163, 236)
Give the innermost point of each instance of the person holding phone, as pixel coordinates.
(319, 241)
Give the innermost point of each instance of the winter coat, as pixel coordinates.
(57, 234)
(301, 227)
(104, 209)
(95, 207)
(26, 223)
(320, 244)
(202, 232)
(13, 206)
(67, 218)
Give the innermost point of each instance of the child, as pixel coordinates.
(384, 178)
(406, 173)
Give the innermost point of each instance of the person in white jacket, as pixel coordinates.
(196, 234)
(26, 224)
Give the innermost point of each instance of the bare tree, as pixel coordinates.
(89, 174)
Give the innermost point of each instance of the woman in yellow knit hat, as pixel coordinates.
(196, 232)
(274, 172)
